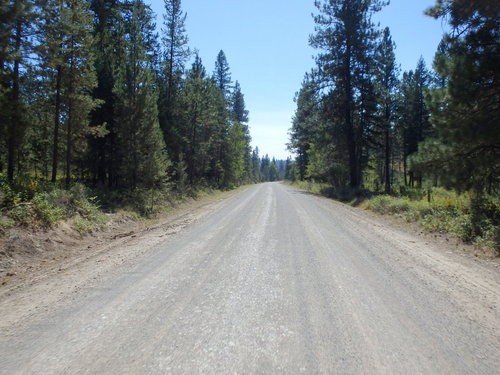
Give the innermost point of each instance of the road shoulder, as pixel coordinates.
(37, 284)
(444, 242)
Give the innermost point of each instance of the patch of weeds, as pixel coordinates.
(474, 220)
(46, 213)
(439, 220)
(83, 225)
(39, 212)
(132, 215)
(87, 214)
(46, 208)
(6, 223)
(386, 204)
(311, 186)
(21, 215)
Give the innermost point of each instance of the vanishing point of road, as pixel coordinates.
(274, 280)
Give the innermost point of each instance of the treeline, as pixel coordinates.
(90, 92)
(360, 123)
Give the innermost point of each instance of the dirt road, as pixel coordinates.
(272, 280)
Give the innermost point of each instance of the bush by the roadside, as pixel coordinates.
(38, 206)
(149, 202)
(142, 202)
(473, 219)
(37, 212)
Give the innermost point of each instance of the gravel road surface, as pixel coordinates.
(274, 280)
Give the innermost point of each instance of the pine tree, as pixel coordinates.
(241, 116)
(175, 44)
(387, 85)
(219, 145)
(273, 171)
(305, 124)
(265, 163)
(36, 151)
(68, 62)
(175, 55)
(52, 61)
(197, 121)
(414, 124)
(140, 143)
(466, 113)
(346, 37)
(79, 80)
(289, 170)
(108, 35)
(17, 18)
(235, 159)
(222, 75)
(256, 174)
(238, 102)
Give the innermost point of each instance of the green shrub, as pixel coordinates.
(21, 215)
(46, 213)
(474, 220)
(83, 225)
(386, 204)
(6, 223)
(39, 212)
(44, 209)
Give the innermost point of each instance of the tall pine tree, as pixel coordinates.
(305, 124)
(175, 55)
(16, 28)
(68, 62)
(466, 113)
(108, 30)
(387, 85)
(222, 75)
(414, 124)
(142, 159)
(345, 36)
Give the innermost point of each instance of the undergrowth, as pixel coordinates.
(41, 205)
(148, 203)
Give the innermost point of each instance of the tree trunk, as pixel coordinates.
(68, 145)
(3, 115)
(57, 114)
(15, 120)
(111, 161)
(387, 155)
(351, 141)
(405, 170)
(71, 103)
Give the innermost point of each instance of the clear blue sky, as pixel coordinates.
(266, 44)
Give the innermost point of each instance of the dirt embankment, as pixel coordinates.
(24, 249)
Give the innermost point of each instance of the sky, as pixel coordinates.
(266, 45)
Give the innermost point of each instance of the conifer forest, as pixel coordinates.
(359, 120)
(363, 125)
(92, 93)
